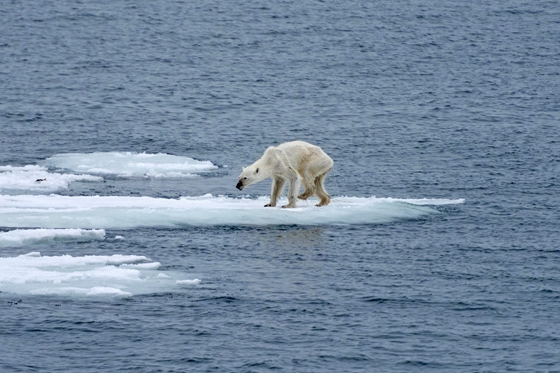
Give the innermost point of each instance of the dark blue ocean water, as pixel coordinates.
(412, 99)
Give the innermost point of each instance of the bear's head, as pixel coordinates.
(249, 176)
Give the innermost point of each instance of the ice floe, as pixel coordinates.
(117, 212)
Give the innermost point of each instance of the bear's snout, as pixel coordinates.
(239, 185)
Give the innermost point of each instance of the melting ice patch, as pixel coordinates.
(126, 164)
(20, 237)
(37, 179)
(55, 211)
(90, 275)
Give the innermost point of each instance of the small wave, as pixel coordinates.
(127, 164)
(87, 276)
(55, 211)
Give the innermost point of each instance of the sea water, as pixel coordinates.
(124, 245)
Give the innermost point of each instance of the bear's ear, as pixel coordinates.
(257, 171)
(243, 168)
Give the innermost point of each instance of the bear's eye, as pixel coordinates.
(257, 171)
(245, 178)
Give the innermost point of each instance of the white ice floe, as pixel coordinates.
(127, 164)
(55, 211)
(37, 179)
(114, 275)
(20, 237)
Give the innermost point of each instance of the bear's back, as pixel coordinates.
(297, 146)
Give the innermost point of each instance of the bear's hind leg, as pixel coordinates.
(309, 185)
(318, 166)
(306, 194)
(324, 198)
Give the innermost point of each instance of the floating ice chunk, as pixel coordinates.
(188, 282)
(126, 164)
(115, 275)
(116, 212)
(37, 179)
(20, 237)
(34, 268)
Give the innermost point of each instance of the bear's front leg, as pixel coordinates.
(293, 191)
(277, 186)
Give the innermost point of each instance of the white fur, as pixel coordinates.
(295, 162)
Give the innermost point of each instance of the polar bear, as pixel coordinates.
(295, 162)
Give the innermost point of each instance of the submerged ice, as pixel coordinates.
(127, 164)
(55, 211)
(90, 275)
(20, 237)
(37, 179)
(86, 167)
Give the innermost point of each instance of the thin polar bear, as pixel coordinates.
(296, 162)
